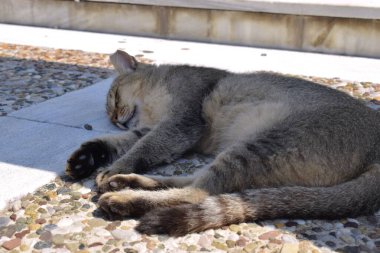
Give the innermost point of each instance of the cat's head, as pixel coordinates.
(124, 98)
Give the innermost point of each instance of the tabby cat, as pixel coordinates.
(284, 147)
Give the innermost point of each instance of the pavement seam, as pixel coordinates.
(57, 124)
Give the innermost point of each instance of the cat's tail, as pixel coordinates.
(353, 198)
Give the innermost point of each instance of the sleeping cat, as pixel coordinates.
(284, 147)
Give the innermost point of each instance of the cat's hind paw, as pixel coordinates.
(85, 160)
(123, 204)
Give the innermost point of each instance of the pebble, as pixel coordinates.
(24, 247)
(21, 234)
(46, 236)
(330, 244)
(270, 234)
(289, 239)
(120, 234)
(40, 221)
(42, 245)
(51, 186)
(34, 226)
(58, 239)
(230, 243)
(250, 247)
(50, 227)
(204, 241)
(234, 228)
(241, 242)
(97, 222)
(219, 245)
(290, 248)
(72, 246)
(16, 205)
(351, 224)
(20, 226)
(11, 244)
(291, 224)
(95, 244)
(63, 190)
(67, 221)
(4, 221)
(348, 239)
(13, 217)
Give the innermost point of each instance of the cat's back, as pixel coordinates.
(266, 86)
(243, 105)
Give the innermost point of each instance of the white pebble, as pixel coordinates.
(233, 237)
(353, 220)
(300, 222)
(16, 205)
(50, 210)
(289, 239)
(120, 234)
(101, 232)
(371, 245)
(204, 241)
(67, 221)
(271, 227)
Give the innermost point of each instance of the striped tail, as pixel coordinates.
(357, 197)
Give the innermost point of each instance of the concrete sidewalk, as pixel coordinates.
(36, 141)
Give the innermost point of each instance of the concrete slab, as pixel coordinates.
(75, 109)
(234, 58)
(36, 141)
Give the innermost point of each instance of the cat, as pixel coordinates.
(285, 148)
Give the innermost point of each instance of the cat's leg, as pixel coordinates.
(137, 202)
(270, 161)
(166, 142)
(101, 151)
(151, 182)
(228, 173)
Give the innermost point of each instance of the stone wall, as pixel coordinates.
(338, 35)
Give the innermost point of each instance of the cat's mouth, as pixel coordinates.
(130, 121)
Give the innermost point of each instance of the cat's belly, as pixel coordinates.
(228, 124)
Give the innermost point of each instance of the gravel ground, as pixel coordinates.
(31, 75)
(62, 216)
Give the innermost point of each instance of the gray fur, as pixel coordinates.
(284, 147)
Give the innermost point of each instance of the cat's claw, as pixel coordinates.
(90, 156)
(102, 181)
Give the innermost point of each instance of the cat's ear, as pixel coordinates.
(123, 62)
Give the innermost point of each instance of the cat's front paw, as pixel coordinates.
(85, 160)
(123, 204)
(133, 181)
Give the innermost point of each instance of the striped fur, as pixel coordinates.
(284, 147)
